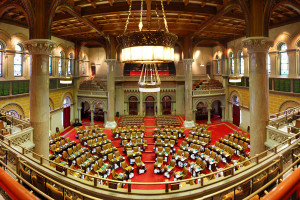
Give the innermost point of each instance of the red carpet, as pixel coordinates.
(219, 130)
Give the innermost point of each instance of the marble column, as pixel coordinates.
(292, 64)
(227, 106)
(111, 123)
(158, 104)
(141, 104)
(257, 48)
(188, 123)
(79, 114)
(9, 58)
(92, 117)
(208, 115)
(40, 49)
(223, 113)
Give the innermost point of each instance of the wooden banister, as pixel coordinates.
(286, 188)
(15, 190)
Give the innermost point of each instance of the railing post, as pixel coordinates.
(41, 160)
(167, 186)
(257, 158)
(9, 142)
(281, 165)
(23, 150)
(201, 182)
(275, 150)
(66, 171)
(129, 186)
(290, 141)
(18, 166)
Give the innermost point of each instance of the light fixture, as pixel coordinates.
(147, 46)
(235, 79)
(65, 80)
(149, 80)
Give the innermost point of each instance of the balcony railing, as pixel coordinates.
(92, 93)
(211, 92)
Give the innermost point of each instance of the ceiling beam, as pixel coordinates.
(186, 2)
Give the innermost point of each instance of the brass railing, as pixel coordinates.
(33, 158)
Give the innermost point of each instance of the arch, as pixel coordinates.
(51, 104)
(288, 104)
(133, 105)
(97, 101)
(216, 107)
(130, 95)
(201, 110)
(98, 111)
(14, 108)
(67, 94)
(150, 95)
(167, 94)
(198, 101)
(237, 93)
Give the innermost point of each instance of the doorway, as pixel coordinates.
(133, 105)
(66, 112)
(166, 105)
(236, 112)
(150, 106)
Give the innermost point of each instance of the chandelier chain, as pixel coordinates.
(129, 13)
(141, 17)
(164, 16)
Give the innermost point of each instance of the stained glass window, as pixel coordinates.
(242, 64)
(60, 61)
(1, 59)
(284, 59)
(231, 62)
(70, 63)
(18, 60)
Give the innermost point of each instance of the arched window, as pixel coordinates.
(284, 60)
(217, 64)
(50, 64)
(269, 63)
(18, 60)
(231, 63)
(1, 58)
(299, 57)
(242, 64)
(60, 62)
(83, 65)
(67, 102)
(70, 63)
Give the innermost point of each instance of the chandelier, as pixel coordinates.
(149, 79)
(148, 48)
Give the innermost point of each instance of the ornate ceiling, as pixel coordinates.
(207, 20)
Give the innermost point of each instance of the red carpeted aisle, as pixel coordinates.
(219, 130)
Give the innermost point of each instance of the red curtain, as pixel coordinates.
(236, 115)
(66, 116)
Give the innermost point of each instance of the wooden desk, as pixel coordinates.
(297, 125)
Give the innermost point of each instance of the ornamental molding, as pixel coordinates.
(257, 44)
(111, 61)
(39, 46)
(188, 61)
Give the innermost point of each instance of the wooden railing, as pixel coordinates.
(36, 161)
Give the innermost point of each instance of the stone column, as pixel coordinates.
(194, 115)
(292, 64)
(141, 104)
(208, 115)
(226, 88)
(40, 49)
(105, 117)
(92, 117)
(223, 113)
(9, 58)
(111, 123)
(79, 114)
(258, 91)
(158, 104)
(188, 123)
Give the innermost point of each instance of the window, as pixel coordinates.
(217, 64)
(231, 63)
(284, 60)
(83, 65)
(60, 61)
(50, 65)
(18, 60)
(67, 102)
(269, 63)
(299, 57)
(242, 64)
(70, 63)
(1, 58)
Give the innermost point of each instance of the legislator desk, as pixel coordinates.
(297, 124)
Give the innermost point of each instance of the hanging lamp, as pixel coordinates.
(149, 80)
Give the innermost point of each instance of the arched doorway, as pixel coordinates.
(66, 112)
(236, 112)
(166, 105)
(149, 106)
(201, 113)
(98, 112)
(216, 109)
(85, 111)
(133, 105)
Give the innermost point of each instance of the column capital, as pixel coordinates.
(111, 61)
(257, 44)
(188, 61)
(39, 46)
